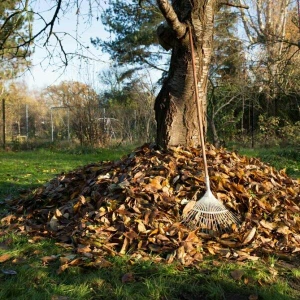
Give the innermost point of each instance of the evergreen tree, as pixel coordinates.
(133, 30)
(227, 57)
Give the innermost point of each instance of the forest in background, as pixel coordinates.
(253, 93)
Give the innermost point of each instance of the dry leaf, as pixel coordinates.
(284, 230)
(54, 223)
(48, 259)
(237, 274)
(128, 277)
(188, 207)
(4, 258)
(267, 225)
(141, 227)
(249, 236)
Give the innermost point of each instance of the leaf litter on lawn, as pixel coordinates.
(134, 206)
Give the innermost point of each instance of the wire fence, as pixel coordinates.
(97, 126)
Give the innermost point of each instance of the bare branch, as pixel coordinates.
(65, 61)
(171, 17)
(51, 23)
(234, 5)
(152, 65)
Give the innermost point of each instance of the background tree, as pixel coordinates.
(129, 101)
(175, 105)
(25, 113)
(15, 27)
(227, 76)
(265, 26)
(82, 102)
(134, 41)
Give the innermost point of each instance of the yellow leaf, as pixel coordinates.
(141, 227)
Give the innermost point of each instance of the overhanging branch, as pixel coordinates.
(171, 17)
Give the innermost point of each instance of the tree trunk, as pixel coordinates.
(175, 107)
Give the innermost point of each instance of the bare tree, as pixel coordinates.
(266, 26)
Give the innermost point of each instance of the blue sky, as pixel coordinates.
(46, 70)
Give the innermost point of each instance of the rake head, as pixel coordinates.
(210, 215)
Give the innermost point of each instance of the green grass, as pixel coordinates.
(29, 169)
(34, 279)
(280, 158)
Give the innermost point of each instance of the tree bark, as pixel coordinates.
(175, 107)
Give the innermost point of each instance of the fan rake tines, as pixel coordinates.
(209, 214)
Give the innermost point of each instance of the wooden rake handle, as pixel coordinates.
(199, 111)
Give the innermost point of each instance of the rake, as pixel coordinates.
(208, 214)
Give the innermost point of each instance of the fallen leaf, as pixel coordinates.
(141, 227)
(128, 277)
(249, 236)
(48, 259)
(237, 274)
(4, 258)
(54, 223)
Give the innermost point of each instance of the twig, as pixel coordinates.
(234, 5)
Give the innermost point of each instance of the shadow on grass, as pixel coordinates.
(11, 190)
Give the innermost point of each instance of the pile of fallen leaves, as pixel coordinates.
(134, 206)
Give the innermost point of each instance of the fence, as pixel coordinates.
(98, 126)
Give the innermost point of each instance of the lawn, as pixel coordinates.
(280, 158)
(30, 266)
(28, 169)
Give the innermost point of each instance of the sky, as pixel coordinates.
(47, 66)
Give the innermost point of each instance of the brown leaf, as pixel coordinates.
(249, 236)
(128, 277)
(154, 185)
(284, 230)
(267, 225)
(125, 245)
(102, 263)
(8, 219)
(48, 259)
(58, 213)
(237, 274)
(4, 258)
(62, 268)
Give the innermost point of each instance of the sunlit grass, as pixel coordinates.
(28, 169)
(280, 158)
